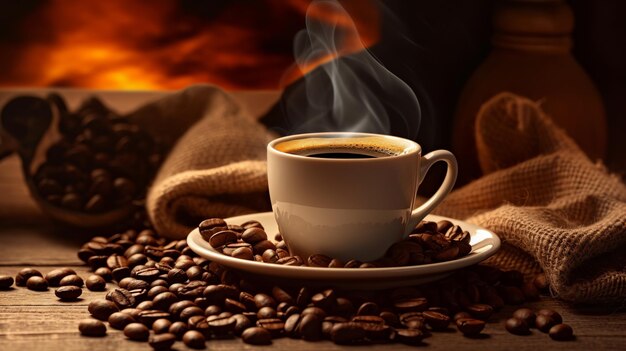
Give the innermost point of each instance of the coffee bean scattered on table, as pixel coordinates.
(162, 341)
(23, 275)
(95, 283)
(136, 331)
(37, 283)
(92, 327)
(194, 339)
(55, 276)
(256, 336)
(68, 293)
(102, 309)
(561, 332)
(6, 281)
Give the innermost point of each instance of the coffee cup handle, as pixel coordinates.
(448, 183)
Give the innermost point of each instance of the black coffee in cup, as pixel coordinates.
(343, 148)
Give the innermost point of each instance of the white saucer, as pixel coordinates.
(484, 244)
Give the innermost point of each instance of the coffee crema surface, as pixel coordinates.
(357, 147)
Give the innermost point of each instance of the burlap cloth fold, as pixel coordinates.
(554, 209)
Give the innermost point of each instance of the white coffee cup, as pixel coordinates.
(349, 208)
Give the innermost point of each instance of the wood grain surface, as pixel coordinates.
(39, 321)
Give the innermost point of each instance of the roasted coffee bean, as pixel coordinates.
(347, 333)
(119, 320)
(263, 300)
(211, 226)
(390, 318)
(368, 309)
(145, 305)
(190, 312)
(325, 300)
(177, 307)
(234, 306)
(176, 275)
(134, 284)
(413, 320)
(425, 227)
(97, 261)
(461, 315)
(22, 276)
(68, 293)
(410, 336)
(516, 326)
(72, 279)
(105, 273)
(101, 309)
(256, 336)
(470, 326)
(274, 325)
(136, 331)
(318, 260)
(552, 314)
(541, 282)
(194, 339)
(121, 297)
(95, 283)
(223, 237)
(436, 320)
(266, 312)
(353, 264)
(37, 283)
(335, 263)
(261, 246)
(310, 327)
(480, 311)
(92, 327)
(444, 225)
(561, 332)
(244, 253)
(222, 325)
(282, 253)
(178, 329)
(230, 248)
(281, 295)
(253, 235)
(545, 322)
(54, 276)
(147, 274)
(161, 326)
(241, 323)
(417, 304)
(163, 300)
(368, 320)
(6, 282)
(148, 317)
(116, 261)
(292, 324)
(270, 256)
(120, 273)
(527, 315)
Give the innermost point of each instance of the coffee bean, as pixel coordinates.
(270, 256)
(68, 293)
(314, 310)
(119, 320)
(221, 325)
(436, 320)
(6, 282)
(230, 248)
(95, 283)
(353, 264)
(413, 320)
(516, 326)
(552, 314)
(561, 332)
(318, 260)
(461, 315)
(292, 325)
(545, 322)
(541, 282)
(161, 326)
(190, 312)
(310, 327)
(136, 331)
(101, 309)
(121, 297)
(234, 306)
(72, 279)
(368, 309)
(480, 311)
(92, 327)
(148, 317)
(54, 276)
(24, 274)
(347, 333)
(417, 304)
(470, 326)
(390, 318)
(325, 300)
(444, 225)
(194, 339)
(223, 237)
(37, 283)
(410, 336)
(145, 305)
(253, 235)
(335, 263)
(163, 300)
(266, 312)
(177, 307)
(256, 336)
(281, 295)
(274, 325)
(260, 247)
(178, 329)
(211, 226)
(105, 273)
(527, 315)
(244, 253)
(147, 274)
(241, 323)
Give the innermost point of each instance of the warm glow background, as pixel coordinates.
(166, 44)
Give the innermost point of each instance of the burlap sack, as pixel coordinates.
(545, 197)
(216, 169)
(554, 209)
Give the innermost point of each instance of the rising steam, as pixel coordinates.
(351, 91)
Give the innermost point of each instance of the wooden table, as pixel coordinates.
(39, 321)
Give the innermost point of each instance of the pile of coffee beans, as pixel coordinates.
(102, 161)
(429, 242)
(545, 320)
